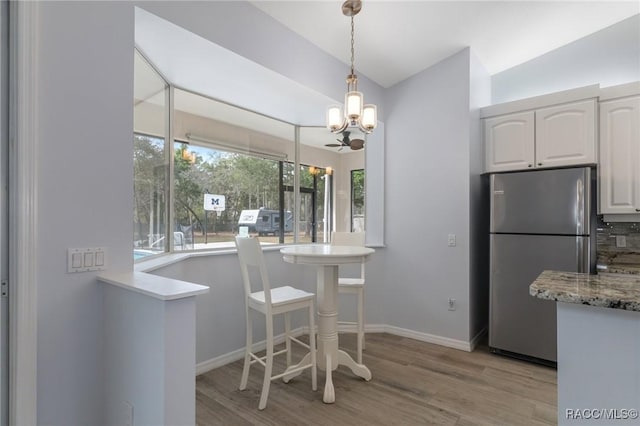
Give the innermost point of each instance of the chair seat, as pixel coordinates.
(282, 295)
(351, 282)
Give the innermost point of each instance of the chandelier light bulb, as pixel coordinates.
(369, 119)
(335, 118)
(353, 101)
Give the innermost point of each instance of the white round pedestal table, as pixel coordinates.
(327, 258)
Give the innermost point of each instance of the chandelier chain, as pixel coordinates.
(352, 45)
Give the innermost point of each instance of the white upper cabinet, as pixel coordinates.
(509, 142)
(566, 134)
(620, 156)
(561, 135)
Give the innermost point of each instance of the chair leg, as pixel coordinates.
(247, 350)
(287, 336)
(312, 347)
(360, 342)
(269, 364)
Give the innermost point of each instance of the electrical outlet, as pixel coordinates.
(452, 304)
(451, 240)
(621, 240)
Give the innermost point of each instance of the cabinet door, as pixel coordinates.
(509, 142)
(620, 156)
(566, 134)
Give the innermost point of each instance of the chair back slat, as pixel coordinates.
(251, 256)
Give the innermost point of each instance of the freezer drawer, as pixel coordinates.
(542, 202)
(518, 322)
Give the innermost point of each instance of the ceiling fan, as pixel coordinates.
(354, 144)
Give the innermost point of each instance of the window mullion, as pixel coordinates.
(169, 154)
(296, 186)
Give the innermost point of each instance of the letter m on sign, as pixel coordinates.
(214, 202)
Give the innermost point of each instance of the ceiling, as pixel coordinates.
(396, 39)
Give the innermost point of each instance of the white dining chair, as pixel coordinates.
(353, 285)
(270, 302)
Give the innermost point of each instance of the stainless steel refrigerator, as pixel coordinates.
(542, 219)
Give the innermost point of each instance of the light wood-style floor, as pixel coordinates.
(414, 383)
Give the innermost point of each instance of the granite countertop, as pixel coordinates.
(603, 290)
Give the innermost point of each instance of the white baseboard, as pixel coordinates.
(462, 345)
(422, 337)
(228, 358)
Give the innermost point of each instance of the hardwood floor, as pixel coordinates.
(414, 383)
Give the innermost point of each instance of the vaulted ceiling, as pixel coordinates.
(396, 39)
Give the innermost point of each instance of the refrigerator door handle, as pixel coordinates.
(581, 259)
(580, 212)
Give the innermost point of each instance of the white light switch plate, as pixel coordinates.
(86, 259)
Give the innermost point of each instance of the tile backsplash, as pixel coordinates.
(608, 251)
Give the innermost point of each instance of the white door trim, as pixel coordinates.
(23, 160)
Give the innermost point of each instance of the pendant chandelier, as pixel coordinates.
(354, 113)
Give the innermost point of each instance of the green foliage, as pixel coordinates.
(246, 182)
(357, 191)
(149, 185)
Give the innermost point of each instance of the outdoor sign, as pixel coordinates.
(214, 202)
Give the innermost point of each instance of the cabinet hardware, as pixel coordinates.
(530, 165)
(539, 164)
(638, 210)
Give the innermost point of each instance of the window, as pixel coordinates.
(250, 186)
(150, 215)
(357, 200)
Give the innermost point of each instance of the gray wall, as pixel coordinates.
(85, 196)
(427, 174)
(608, 57)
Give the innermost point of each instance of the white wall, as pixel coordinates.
(427, 175)
(608, 57)
(85, 196)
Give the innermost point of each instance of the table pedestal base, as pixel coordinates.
(344, 358)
